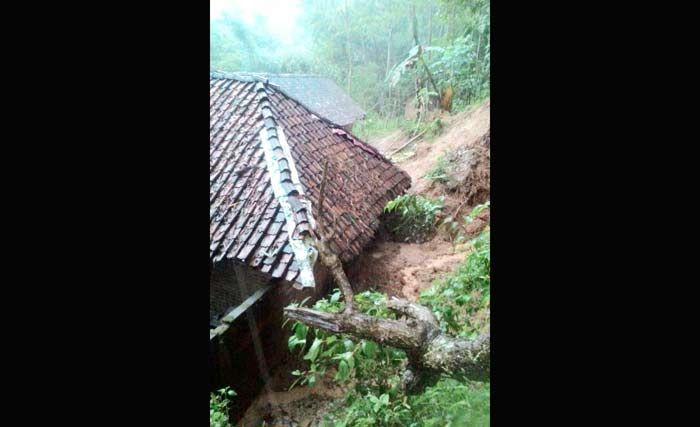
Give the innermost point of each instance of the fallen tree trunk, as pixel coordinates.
(427, 347)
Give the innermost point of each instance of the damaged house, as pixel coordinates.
(268, 151)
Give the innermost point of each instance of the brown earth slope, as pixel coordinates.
(404, 269)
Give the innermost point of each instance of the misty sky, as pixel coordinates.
(281, 15)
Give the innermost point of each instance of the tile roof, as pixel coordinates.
(319, 94)
(267, 153)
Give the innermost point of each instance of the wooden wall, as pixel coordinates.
(255, 343)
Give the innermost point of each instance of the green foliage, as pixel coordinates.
(438, 172)
(458, 59)
(370, 409)
(428, 130)
(349, 357)
(465, 62)
(461, 300)
(447, 403)
(376, 126)
(413, 216)
(452, 403)
(468, 75)
(455, 230)
(237, 46)
(476, 211)
(366, 46)
(218, 407)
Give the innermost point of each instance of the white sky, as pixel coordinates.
(281, 15)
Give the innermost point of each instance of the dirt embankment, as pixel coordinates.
(462, 129)
(405, 269)
(299, 407)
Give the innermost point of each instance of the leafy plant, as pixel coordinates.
(414, 216)
(465, 62)
(349, 357)
(455, 231)
(449, 402)
(375, 125)
(218, 407)
(438, 172)
(371, 409)
(476, 211)
(429, 129)
(452, 403)
(461, 300)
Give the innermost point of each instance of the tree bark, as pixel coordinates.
(327, 257)
(347, 45)
(430, 30)
(430, 75)
(416, 42)
(414, 22)
(386, 89)
(388, 54)
(428, 349)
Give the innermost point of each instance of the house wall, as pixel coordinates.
(238, 359)
(225, 291)
(251, 345)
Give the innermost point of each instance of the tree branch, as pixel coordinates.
(428, 348)
(415, 311)
(328, 258)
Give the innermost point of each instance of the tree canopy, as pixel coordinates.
(363, 45)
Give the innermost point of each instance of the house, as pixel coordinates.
(267, 156)
(318, 94)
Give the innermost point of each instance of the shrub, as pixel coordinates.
(455, 230)
(447, 403)
(412, 217)
(218, 407)
(438, 172)
(461, 300)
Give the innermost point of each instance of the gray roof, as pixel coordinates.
(318, 94)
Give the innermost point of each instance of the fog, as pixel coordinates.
(359, 44)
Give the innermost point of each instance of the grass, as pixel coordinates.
(448, 403)
(438, 172)
(412, 217)
(429, 130)
(464, 107)
(375, 126)
(461, 300)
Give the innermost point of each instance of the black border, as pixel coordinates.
(108, 201)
